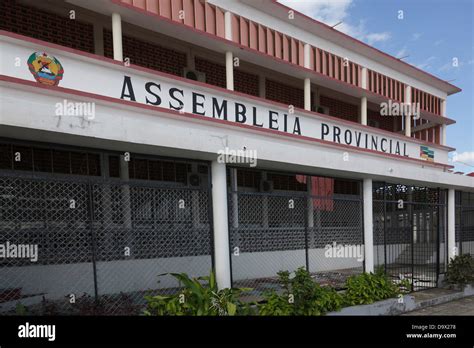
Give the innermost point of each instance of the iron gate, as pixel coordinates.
(465, 222)
(282, 231)
(101, 244)
(410, 233)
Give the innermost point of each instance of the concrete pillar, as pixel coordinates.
(451, 224)
(307, 94)
(408, 117)
(363, 111)
(229, 57)
(307, 81)
(368, 226)
(117, 36)
(443, 127)
(220, 223)
(363, 100)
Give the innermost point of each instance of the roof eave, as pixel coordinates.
(368, 50)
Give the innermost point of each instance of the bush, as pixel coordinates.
(300, 296)
(200, 296)
(368, 288)
(460, 270)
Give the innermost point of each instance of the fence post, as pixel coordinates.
(385, 226)
(412, 239)
(451, 224)
(438, 231)
(368, 226)
(220, 224)
(93, 240)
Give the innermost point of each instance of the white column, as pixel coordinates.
(363, 100)
(443, 127)
(408, 117)
(307, 94)
(117, 36)
(220, 223)
(443, 134)
(363, 111)
(451, 224)
(229, 58)
(307, 81)
(368, 226)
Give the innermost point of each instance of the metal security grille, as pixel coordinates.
(274, 231)
(409, 233)
(465, 222)
(102, 243)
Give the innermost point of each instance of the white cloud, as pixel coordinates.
(466, 157)
(377, 37)
(416, 36)
(332, 12)
(327, 11)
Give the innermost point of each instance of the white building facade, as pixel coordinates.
(141, 138)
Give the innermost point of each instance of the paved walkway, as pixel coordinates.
(464, 306)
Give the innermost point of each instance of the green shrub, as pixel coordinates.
(300, 296)
(460, 270)
(200, 296)
(368, 288)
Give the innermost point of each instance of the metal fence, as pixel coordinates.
(101, 245)
(410, 233)
(465, 222)
(282, 231)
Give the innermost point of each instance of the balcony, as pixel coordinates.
(271, 64)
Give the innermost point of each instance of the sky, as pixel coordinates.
(433, 34)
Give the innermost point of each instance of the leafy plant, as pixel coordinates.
(200, 296)
(301, 295)
(368, 288)
(460, 270)
(20, 309)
